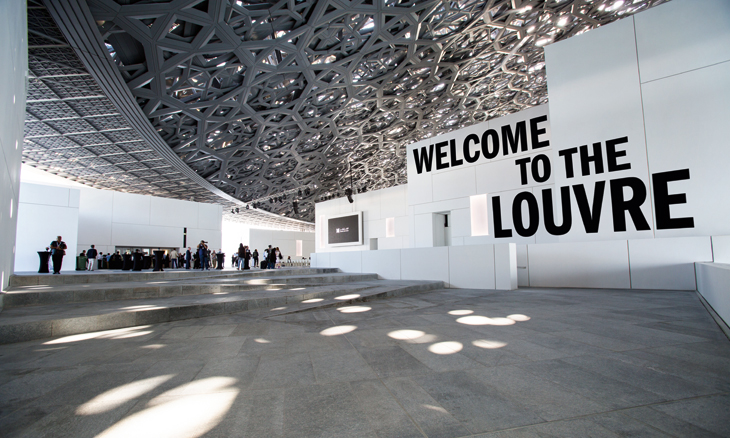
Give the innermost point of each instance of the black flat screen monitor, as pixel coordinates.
(345, 230)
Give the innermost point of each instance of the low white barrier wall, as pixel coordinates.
(713, 283)
(467, 267)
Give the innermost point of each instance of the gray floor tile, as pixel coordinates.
(430, 416)
(478, 406)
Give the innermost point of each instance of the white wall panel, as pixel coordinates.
(393, 201)
(505, 266)
(38, 226)
(595, 96)
(582, 264)
(712, 284)
(392, 242)
(665, 51)
(210, 216)
(425, 264)
(460, 223)
(44, 195)
(13, 70)
(384, 263)
(347, 261)
(667, 263)
(369, 202)
(721, 249)
(471, 267)
(423, 230)
(74, 198)
(95, 217)
(376, 228)
(173, 212)
(129, 208)
(307, 248)
(420, 191)
(151, 236)
(686, 128)
(401, 226)
(323, 260)
(447, 205)
(456, 183)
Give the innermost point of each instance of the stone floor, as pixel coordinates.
(449, 363)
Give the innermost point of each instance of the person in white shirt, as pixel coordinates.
(173, 259)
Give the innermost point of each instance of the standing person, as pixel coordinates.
(255, 258)
(203, 255)
(91, 255)
(241, 255)
(58, 250)
(246, 258)
(213, 259)
(173, 259)
(188, 256)
(271, 261)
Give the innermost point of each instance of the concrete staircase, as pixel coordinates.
(44, 306)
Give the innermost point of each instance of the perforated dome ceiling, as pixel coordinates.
(262, 98)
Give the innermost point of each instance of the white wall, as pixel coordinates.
(376, 206)
(45, 212)
(713, 283)
(284, 240)
(106, 219)
(13, 71)
(472, 267)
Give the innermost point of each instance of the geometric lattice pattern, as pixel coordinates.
(265, 96)
(73, 130)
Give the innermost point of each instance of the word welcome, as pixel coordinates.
(490, 145)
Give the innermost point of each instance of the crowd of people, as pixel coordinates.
(201, 257)
(271, 258)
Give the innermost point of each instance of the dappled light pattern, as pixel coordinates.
(313, 300)
(188, 416)
(338, 330)
(461, 312)
(483, 320)
(116, 397)
(123, 333)
(354, 309)
(484, 343)
(403, 335)
(449, 347)
(348, 297)
(262, 341)
(518, 317)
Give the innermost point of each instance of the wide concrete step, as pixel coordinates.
(109, 276)
(396, 288)
(29, 323)
(22, 296)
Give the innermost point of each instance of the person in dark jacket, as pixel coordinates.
(271, 262)
(58, 250)
(246, 258)
(203, 255)
(255, 256)
(188, 256)
(241, 255)
(91, 258)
